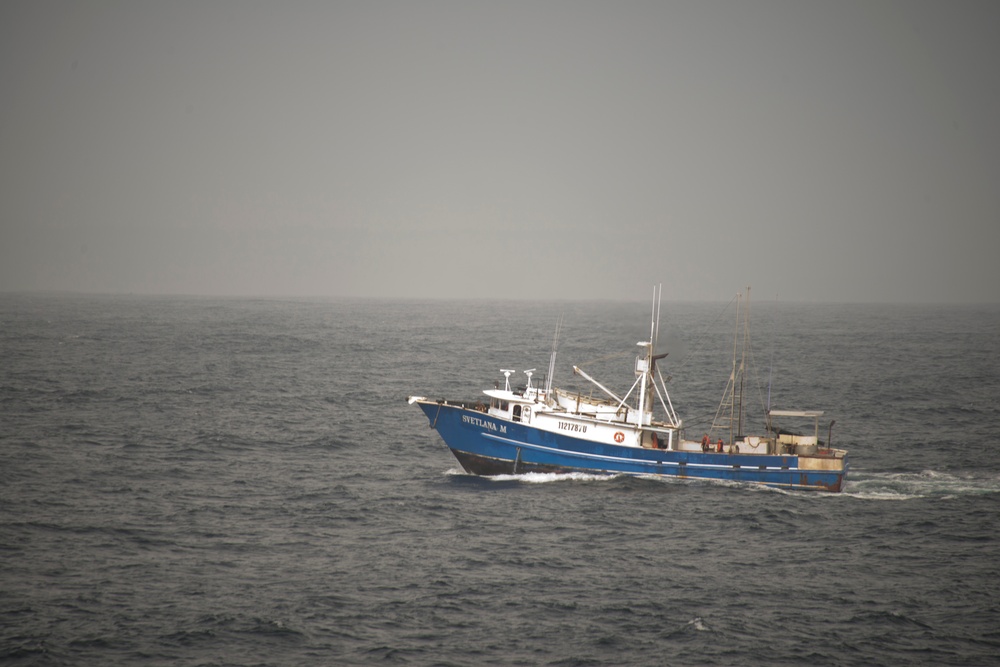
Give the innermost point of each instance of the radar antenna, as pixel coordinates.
(506, 377)
(528, 373)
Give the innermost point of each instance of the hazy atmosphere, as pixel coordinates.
(819, 151)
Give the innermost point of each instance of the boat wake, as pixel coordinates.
(542, 477)
(861, 484)
(924, 484)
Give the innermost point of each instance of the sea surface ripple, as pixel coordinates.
(194, 481)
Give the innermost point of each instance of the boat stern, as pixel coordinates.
(826, 469)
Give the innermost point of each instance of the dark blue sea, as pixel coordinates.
(198, 481)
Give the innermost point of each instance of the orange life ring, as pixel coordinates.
(619, 437)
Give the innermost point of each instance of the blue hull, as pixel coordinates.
(486, 445)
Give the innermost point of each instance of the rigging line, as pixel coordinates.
(756, 375)
(754, 370)
(770, 368)
(692, 423)
(613, 355)
(552, 358)
(701, 339)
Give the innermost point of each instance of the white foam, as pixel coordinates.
(546, 477)
(697, 624)
(538, 477)
(923, 484)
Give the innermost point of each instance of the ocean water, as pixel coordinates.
(191, 481)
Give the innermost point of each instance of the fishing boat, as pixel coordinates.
(540, 428)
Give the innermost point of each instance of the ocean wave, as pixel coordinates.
(697, 624)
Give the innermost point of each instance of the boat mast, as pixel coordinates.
(552, 358)
(732, 379)
(643, 368)
(645, 374)
(770, 366)
(654, 324)
(730, 402)
(743, 358)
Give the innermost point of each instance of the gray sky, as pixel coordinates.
(822, 151)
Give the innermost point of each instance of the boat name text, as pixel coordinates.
(482, 423)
